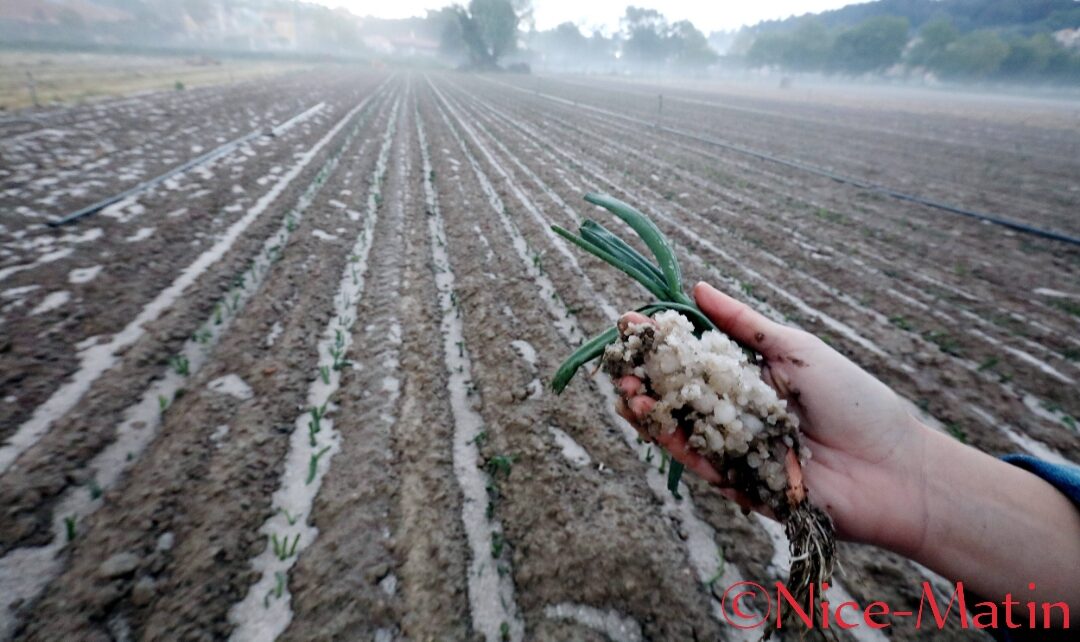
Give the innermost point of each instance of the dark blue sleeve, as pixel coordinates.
(1064, 477)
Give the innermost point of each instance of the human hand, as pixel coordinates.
(867, 451)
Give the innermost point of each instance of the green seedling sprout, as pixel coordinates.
(277, 591)
(180, 365)
(324, 374)
(282, 549)
(69, 527)
(313, 464)
(315, 423)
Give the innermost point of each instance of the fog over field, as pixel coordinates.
(281, 300)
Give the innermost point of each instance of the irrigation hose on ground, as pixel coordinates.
(819, 171)
(217, 152)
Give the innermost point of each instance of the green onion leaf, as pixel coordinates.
(651, 235)
(598, 234)
(586, 353)
(655, 287)
(674, 474)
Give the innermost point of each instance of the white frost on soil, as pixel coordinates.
(275, 332)
(254, 617)
(1056, 294)
(528, 353)
(84, 275)
(612, 624)
(233, 386)
(17, 293)
(141, 234)
(51, 302)
(25, 572)
(700, 536)
(391, 385)
(98, 359)
(297, 119)
(571, 449)
(219, 433)
(49, 257)
(1030, 445)
(388, 584)
(1039, 409)
(491, 594)
(323, 236)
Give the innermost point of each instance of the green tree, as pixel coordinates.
(768, 50)
(448, 23)
(810, 46)
(975, 55)
(934, 39)
(806, 48)
(496, 23)
(564, 45)
(691, 48)
(482, 34)
(874, 45)
(646, 36)
(1029, 57)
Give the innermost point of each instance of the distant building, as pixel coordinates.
(1068, 38)
(406, 38)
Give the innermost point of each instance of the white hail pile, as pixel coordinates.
(709, 387)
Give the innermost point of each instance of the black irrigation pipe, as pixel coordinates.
(839, 178)
(217, 152)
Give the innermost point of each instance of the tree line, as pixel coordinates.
(888, 44)
(483, 32)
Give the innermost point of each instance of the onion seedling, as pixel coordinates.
(277, 591)
(281, 547)
(181, 365)
(313, 464)
(707, 387)
(315, 424)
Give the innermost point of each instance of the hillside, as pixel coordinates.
(1019, 16)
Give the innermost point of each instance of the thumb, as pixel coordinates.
(738, 320)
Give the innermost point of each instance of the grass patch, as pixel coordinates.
(830, 216)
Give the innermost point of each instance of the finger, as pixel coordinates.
(632, 318)
(624, 412)
(675, 444)
(641, 406)
(738, 320)
(629, 386)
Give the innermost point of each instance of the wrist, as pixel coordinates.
(915, 477)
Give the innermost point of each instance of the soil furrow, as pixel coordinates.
(185, 523)
(1054, 432)
(534, 455)
(44, 350)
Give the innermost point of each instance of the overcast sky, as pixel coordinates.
(707, 15)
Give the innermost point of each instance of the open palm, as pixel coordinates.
(867, 450)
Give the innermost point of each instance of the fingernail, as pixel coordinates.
(642, 405)
(629, 385)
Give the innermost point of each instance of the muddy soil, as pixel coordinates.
(460, 499)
